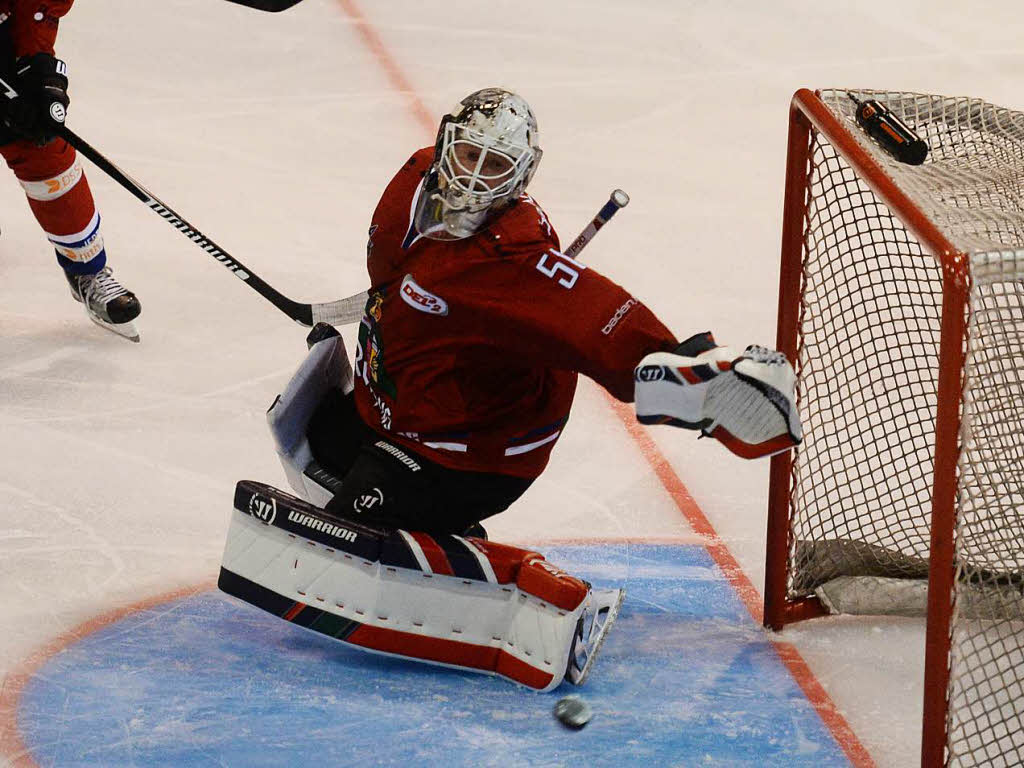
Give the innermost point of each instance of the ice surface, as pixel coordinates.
(274, 134)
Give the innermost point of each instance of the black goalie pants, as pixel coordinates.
(389, 485)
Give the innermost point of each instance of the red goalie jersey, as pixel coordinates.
(32, 23)
(469, 349)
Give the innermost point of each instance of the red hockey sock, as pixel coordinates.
(59, 196)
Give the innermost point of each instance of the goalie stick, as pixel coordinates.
(339, 312)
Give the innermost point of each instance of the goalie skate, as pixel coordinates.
(591, 632)
(107, 303)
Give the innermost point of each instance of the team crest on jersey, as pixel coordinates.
(420, 298)
(369, 363)
(375, 306)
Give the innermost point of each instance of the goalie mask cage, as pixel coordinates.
(902, 307)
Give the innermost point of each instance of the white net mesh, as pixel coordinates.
(869, 329)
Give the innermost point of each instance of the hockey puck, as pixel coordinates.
(573, 712)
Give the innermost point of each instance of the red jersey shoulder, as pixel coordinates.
(408, 176)
(393, 214)
(420, 161)
(523, 230)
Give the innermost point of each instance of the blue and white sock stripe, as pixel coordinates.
(78, 239)
(81, 252)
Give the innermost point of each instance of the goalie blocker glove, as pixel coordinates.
(745, 401)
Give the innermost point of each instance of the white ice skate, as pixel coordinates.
(107, 303)
(597, 619)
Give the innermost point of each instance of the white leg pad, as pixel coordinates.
(498, 610)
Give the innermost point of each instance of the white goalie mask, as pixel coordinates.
(485, 155)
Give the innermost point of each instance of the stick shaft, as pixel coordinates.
(296, 311)
(301, 313)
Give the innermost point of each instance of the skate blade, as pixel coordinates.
(613, 614)
(124, 330)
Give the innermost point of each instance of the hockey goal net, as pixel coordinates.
(902, 306)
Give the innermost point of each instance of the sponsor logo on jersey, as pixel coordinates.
(316, 524)
(264, 510)
(422, 299)
(619, 314)
(649, 373)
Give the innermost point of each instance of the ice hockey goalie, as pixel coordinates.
(476, 329)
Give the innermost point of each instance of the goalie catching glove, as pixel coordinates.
(745, 401)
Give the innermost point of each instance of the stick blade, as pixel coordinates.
(273, 6)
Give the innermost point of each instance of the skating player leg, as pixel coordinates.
(59, 196)
(54, 181)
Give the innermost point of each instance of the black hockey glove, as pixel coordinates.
(42, 101)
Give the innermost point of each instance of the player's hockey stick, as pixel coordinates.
(300, 313)
(273, 6)
(350, 310)
(340, 312)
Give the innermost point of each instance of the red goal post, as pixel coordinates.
(902, 308)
